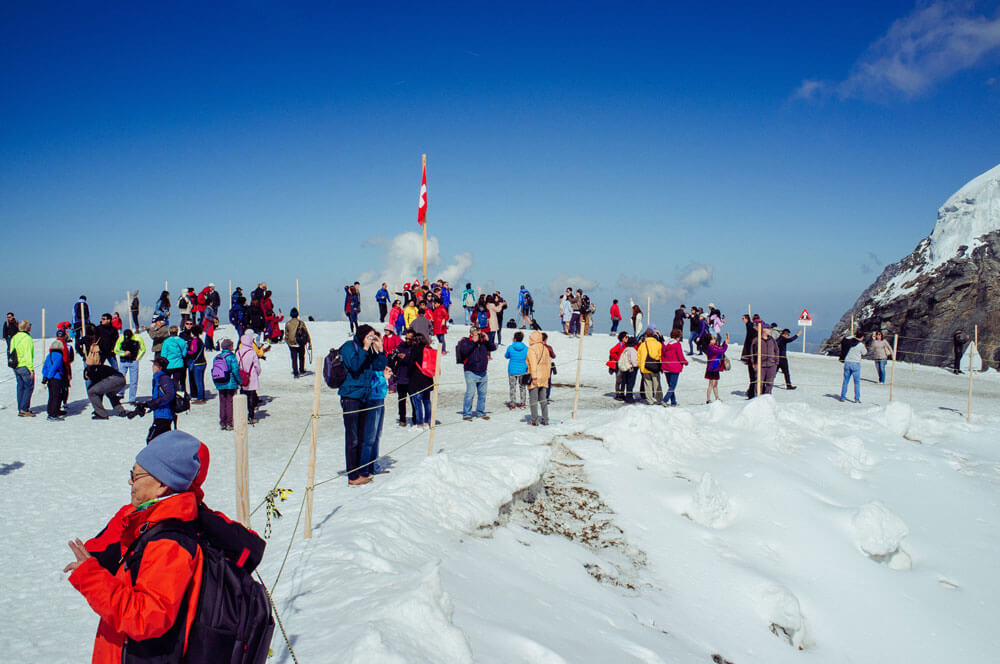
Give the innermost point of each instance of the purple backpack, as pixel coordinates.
(220, 369)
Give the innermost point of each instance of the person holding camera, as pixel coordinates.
(362, 356)
(161, 402)
(474, 353)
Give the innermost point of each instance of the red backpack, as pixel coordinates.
(428, 362)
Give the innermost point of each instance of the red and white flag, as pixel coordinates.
(422, 203)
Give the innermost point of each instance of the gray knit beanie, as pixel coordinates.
(172, 458)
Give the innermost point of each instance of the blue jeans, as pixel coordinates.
(421, 407)
(475, 384)
(113, 362)
(352, 318)
(671, 386)
(880, 368)
(25, 386)
(852, 370)
(354, 436)
(130, 369)
(614, 325)
(694, 338)
(373, 432)
(468, 315)
(197, 373)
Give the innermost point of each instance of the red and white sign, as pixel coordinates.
(422, 203)
(805, 320)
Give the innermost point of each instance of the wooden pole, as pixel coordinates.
(579, 365)
(434, 404)
(230, 300)
(760, 351)
(297, 294)
(312, 446)
(749, 313)
(852, 325)
(165, 285)
(649, 309)
(968, 412)
(424, 226)
(892, 371)
(242, 459)
(804, 339)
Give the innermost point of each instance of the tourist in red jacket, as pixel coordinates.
(140, 595)
(439, 315)
(672, 361)
(616, 316)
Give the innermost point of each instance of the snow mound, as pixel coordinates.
(780, 608)
(710, 506)
(879, 532)
(854, 459)
(898, 417)
(759, 415)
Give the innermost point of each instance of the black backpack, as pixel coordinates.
(529, 301)
(233, 623)
(301, 336)
(334, 371)
(12, 359)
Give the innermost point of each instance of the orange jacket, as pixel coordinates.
(168, 578)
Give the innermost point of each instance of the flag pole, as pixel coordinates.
(424, 225)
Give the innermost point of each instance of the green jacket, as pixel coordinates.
(142, 347)
(22, 344)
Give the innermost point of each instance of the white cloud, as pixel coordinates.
(692, 278)
(562, 281)
(404, 263)
(920, 50)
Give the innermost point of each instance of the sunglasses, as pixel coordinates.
(133, 477)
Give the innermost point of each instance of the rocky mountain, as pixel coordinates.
(950, 282)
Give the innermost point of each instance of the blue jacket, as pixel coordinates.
(445, 297)
(360, 365)
(382, 295)
(517, 353)
(236, 315)
(173, 350)
(475, 355)
(352, 303)
(234, 371)
(378, 388)
(53, 367)
(163, 396)
(520, 298)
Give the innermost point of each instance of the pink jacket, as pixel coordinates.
(672, 358)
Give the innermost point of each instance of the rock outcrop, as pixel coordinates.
(950, 282)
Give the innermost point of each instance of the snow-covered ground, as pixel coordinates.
(743, 530)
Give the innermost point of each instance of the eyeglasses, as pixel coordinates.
(133, 477)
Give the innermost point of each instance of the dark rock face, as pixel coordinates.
(958, 295)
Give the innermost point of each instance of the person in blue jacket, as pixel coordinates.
(517, 366)
(174, 350)
(161, 403)
(238, 314)
(54, 377)
(352, 305)
(362, 356)
(446, 298)
(227, 388)
(382, 297)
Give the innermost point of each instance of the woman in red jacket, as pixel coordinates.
(672, 361)
(439, 316)
(146, 595)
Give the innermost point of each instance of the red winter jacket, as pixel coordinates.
(440, 318)
(616, 313)
(672, 358)
(168, 579)
(614, 354)
(390, 344)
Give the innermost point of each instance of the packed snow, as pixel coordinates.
(972, 212)
(770, 530)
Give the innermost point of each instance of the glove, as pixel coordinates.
(45, 381)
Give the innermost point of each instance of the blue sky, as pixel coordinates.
(794, 148)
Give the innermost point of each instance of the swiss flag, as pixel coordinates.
(422, 203)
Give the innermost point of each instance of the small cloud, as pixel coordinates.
(562, 281)
(927, 46)
(991, 81)
(866, 268)
(374, 242)
(691, 278)
(874, 258)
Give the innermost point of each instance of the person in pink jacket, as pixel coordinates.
(672, 361)
(249, 363)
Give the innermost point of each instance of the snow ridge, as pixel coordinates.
(963, 221)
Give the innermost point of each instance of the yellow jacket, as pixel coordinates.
(410, 314)
(24, 346)
(649, 348)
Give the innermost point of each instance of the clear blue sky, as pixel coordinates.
(779, 144)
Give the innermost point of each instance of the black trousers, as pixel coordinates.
(402, 391)
(56, 388)
(783, 368)
(179, 378)
(383, 310)
(300, 353)
(159, 426)
(752, 372)
(252, 401)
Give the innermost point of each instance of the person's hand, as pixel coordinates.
(76, 546)
(32, 374)
(377, 345)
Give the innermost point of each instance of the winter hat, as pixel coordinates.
(61, 334)
(172, 458)
(227, 344)
(57, 346)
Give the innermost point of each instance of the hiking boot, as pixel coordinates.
(791, 387)
(53, 418)
(485, 417)
(95, 416)
(464, 419)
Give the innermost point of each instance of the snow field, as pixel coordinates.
(746, 529)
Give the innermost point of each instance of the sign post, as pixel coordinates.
(805, 322)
